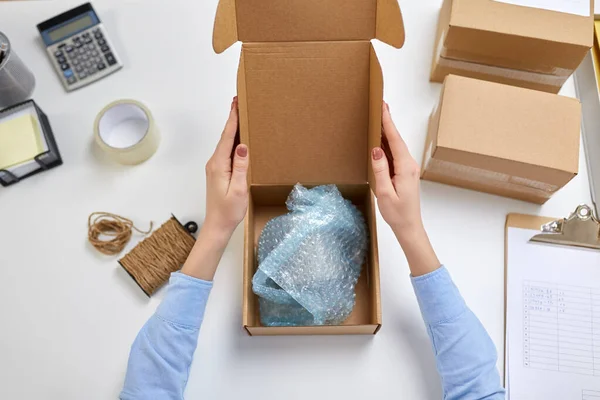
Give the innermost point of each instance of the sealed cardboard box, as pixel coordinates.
(529, 43)
(503, 140)
(310, 92)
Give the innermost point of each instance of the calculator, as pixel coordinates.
(79, 47)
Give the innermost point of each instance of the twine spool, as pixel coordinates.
(153, 260)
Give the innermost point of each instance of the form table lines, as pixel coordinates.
(561, 328)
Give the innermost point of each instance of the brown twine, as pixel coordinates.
(118, 228)
(153, 260)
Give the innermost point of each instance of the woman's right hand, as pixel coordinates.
(398, 197)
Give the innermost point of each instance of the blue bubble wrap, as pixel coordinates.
(309, 260)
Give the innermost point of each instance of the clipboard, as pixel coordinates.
(580, 231)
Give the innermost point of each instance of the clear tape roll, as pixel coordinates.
(125, 130)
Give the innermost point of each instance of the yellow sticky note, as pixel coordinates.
(20, 140)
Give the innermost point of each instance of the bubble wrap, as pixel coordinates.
(309, 260)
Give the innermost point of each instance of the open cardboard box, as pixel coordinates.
(310, 91)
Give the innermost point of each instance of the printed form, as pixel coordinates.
(552, 320)
(577, 7)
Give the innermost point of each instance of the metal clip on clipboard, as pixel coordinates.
(581, 229)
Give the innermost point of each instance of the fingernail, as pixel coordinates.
(377, 153)
(232, 104)
(242, 150)
(387, 106)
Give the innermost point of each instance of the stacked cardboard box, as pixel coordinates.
(513, 141)
(523, 43)
(502, 139)
(310, 92)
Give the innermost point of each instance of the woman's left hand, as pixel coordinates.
(226, 185)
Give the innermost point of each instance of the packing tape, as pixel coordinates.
(125, 130)
(557, 78)
(491, 179)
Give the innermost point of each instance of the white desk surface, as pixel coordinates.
(68, 315)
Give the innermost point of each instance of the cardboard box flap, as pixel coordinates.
(225, 31)
(389, 23)
(310, 112)
(260, 21)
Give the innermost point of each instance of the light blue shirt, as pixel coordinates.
(161, 355)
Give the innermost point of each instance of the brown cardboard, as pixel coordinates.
(503, 140)
(506, 43)
(310, 91)
(262, 21)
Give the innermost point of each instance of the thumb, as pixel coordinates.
(381, 170)
(239, 185)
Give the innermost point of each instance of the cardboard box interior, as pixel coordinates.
(506, 43)
(503, 140)
(267, 202)
(306, 116)
(310, 91)
(309, 111)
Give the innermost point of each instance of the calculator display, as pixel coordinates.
(70, 28)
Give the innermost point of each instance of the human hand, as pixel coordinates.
(226, 201)
(226, 185)
(397, 188)
(398, 197)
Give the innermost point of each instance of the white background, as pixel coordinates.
(68, 315)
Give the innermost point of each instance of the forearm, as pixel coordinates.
(465, 354)
(417, 248)
(207, 252)
(160, 357)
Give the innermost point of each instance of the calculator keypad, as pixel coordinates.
(84, 55)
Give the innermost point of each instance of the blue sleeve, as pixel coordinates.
(161, 355)
(465, 354)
